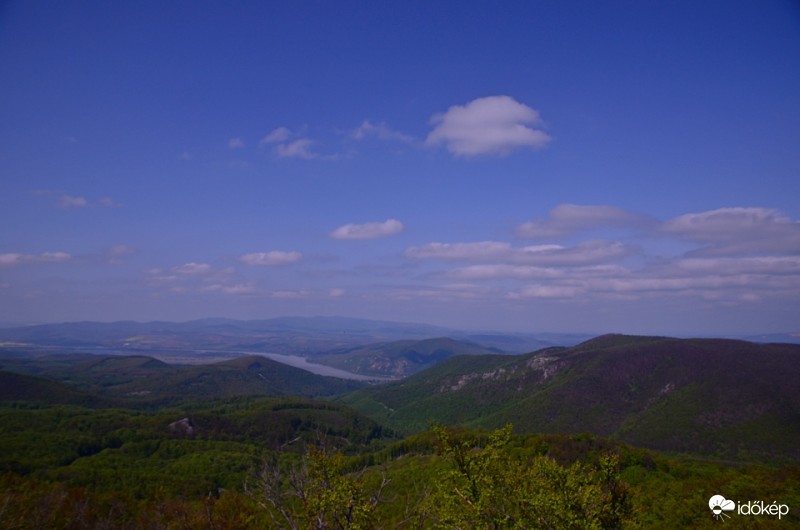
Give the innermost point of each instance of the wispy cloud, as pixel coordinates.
(368, 230)
(381, 131)
(10, 259)
(271, 258)
(286, 146)
(72, 201)
(288, 294)
(77, 201)
(494, 125)
(108, 202)
(281, 134)
(194, 277)
(586, 252)
(566, 219)
(236, 288)
(235, 143)
(297, 149)
(736, 231)
(192, 268)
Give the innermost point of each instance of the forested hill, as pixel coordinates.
(718, 397)
(142, 379)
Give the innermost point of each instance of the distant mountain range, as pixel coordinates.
(726, 398)
(304, 336)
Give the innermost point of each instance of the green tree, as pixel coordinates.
(487, 487)
(317, 494)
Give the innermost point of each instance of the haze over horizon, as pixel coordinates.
(570, 167)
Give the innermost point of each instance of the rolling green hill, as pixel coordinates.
(725, 398)
(400, 358)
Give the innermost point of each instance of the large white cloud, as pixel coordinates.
(368, 230)
(494, 125)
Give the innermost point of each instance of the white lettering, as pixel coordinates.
(758, 508)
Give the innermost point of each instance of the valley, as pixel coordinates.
(188, 427)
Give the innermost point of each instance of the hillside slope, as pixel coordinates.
(145, 379)
(716, 397)
(400, 358)
(20, 387)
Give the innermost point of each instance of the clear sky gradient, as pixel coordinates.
(629, 166)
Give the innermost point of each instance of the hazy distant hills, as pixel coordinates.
(400, 358)
(305, 336)
(71, 378)
(727, 398)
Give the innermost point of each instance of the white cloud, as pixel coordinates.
(238, 288)
(729, 280)
(289, 294)
(121, 250)
(461, 251)
(281, 134)
(530, 272)
(380, 131)
(586, 252)
(193, 268)
(545, 291)
(71, 201)
(235, 143)
(14, 258)
(368, 230)
(569, 218)
(298, 149)
(745, 256)
(53, 257)
(737, 231)
(503, 270)
(108, 202)
(494, 125)
(273, 257)
(336, 292)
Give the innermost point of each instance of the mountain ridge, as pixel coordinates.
(711, 396)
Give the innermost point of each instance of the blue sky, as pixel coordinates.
(533, 166)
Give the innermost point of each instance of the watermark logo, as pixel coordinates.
(719, 505)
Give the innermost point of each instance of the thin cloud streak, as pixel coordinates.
(370, 230)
